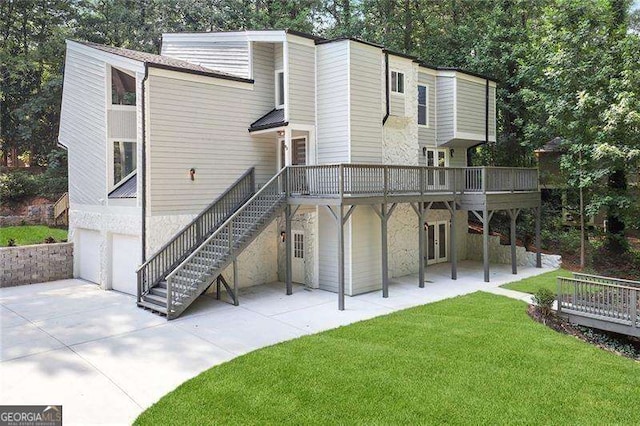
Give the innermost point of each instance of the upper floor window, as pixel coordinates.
(124, 160)
(279, 89)
(397, 82)
(123, 88)
(423, 105)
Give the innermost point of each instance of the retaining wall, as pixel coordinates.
(35, 264)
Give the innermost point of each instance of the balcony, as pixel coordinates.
(473, 187)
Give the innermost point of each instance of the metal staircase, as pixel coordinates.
(173, 290)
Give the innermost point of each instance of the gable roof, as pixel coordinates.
(163, 62)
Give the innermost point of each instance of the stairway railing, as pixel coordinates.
(60, 208)
(220, 248)
(191, 236)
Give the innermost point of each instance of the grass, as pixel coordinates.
(25, 235)
(476, 359)
(533, 284)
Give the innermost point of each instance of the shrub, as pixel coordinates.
(11, 242)
(544, 299)
(16, 186)
(49, 240)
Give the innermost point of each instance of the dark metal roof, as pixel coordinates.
(164, 62)
(274, 118)
(128, 189)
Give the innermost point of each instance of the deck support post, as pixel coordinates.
(513, 214)
(385, 250)
(341, 257)
(538, 239)
(452, 241)
(288, 243)
(236, 300)
(421, 256)
(485, 243)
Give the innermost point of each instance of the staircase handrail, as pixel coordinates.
(229, 221)
(246, 183)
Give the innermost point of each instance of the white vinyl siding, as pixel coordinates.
(328, 252)
(302, 99)
(366, 97)
(445, 118)
(333, 102)
(82, 127)
(198, 124)
(228, 56)
(366, 257)
(278, 56)
(471, 108)
(122, 124)
(427, 135)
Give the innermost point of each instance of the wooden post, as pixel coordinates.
(538, 239)
(513, 213)
(634, 308)
(288, 237)
(485, 243)
(341, 258)
(385, 253)
(452, 242)
(421, 233)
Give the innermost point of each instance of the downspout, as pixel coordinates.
(144, 165)
(386, 87)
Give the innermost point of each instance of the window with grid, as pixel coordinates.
(298, 246)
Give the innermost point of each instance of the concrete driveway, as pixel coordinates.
(105, 360)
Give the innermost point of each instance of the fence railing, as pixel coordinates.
(191, 236)
(61, 209)
(215, 252)
(371, 180)
(598, 299)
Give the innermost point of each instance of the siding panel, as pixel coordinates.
(427, 135)
(302, 98)
(333, 103)
(227, 56)
(199, 125)
(82, 127)
(366, 97)
(444, 109)
(471, 107)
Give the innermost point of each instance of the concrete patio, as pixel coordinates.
(105, 360)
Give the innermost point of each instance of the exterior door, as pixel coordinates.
(437, 242)
(297, 257)
(437, 158)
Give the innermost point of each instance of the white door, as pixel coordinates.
(297, 257)
(125, 259)
(437, 180)
(87, 251)
(437, 241)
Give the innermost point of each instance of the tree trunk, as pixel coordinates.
(616, 241)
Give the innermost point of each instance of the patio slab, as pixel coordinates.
(70, 343)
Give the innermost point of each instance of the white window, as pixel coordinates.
(397, 82)
(279, 89)
(124, 160)
(423, 105)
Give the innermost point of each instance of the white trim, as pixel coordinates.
(349, 101)
(404, 82)
(272, 36)
(110, 160)
(183, 76)
(277, 105)
(436, 236)
(474, 136)
(464, 76)
(285, 66)
(111, 58)
(292, 38)
(250, 64)
(455, 107)
(311, 141)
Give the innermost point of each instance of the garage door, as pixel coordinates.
(88, 253)
(125, 260)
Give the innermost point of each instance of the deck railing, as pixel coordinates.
(191, 236)
(61, 210)
(383, 180)
(600, 298)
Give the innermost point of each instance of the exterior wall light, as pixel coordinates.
(283, 236)
(192, 173)
(451, 151)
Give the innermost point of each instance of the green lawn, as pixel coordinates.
(533, 284)
(25, 235)
(476, 359)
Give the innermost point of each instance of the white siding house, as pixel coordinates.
(159, 144)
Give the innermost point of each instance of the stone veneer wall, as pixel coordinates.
(35, 264)
(499, 253)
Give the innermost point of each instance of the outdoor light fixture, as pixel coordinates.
(424, 151)
(283, 236)
(192, 173)
(426, 226)
(451, 151)
(280, 132)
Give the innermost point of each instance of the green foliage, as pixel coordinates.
(544, 298)
(31, 234)
(15, 186)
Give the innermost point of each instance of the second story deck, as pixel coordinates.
(473, 188)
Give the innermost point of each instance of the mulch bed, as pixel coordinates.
(618, 344)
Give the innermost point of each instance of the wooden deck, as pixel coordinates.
(600, 302)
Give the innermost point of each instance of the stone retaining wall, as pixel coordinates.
(36, 215)
(35, 264)
(502, 254)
